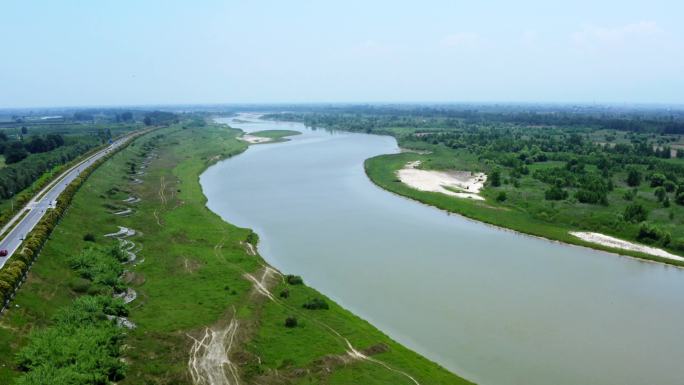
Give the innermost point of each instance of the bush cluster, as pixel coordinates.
(653, 235)
(82, 346)
(294, 279)
(316, 304)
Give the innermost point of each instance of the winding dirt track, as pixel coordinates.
(162, 188)
(209, 362)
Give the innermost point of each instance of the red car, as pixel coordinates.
(3, 253)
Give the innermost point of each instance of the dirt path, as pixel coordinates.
(209, 362)
(249, 248)
(261, 285)
(156, 216)
(162, 188)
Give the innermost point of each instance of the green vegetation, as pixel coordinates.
(191, 273)
(316, 304)
(81, 346)
(551, 170)
(102, 267)
(291, 322)
(294, 279)
(276, 135)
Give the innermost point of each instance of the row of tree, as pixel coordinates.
(16, 150)
(18, 176)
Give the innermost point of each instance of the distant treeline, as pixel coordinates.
(160, 118)
(368, 118)
(59, 117)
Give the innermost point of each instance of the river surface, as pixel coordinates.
(491, 305)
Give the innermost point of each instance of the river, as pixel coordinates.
(491, 305)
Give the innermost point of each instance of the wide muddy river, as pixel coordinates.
(493, 306)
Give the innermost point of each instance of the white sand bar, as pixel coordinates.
(254, 139)
(461, 184)
(617, 243)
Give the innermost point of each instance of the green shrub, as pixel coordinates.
(99, 265)
(629, 195)
(316, 304)
(290, 322)
(89, 237)
(501, 197)
(669, 186)
(555, 193)
(495, 179)
(677, 244)
(633, 177)
(294, 279)
(252, 238)
(81, 347)
(657, 179)
(653, 234)
(680, 198)
(635, 213)
(591, 196)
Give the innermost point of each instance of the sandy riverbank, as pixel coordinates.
(253, 139)
(461, 184)
(617, 243)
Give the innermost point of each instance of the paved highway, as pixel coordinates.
(45, 200)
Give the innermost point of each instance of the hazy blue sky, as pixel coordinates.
(109, 52)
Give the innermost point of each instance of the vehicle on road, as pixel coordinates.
(3, 253)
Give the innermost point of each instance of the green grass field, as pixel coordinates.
(191, 274)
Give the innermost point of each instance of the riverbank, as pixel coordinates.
(382, 171)
(196, 280)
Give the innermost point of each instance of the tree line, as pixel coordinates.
(16, 150)
(20, 175)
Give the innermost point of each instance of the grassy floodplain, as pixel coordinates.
(194, 271)
(382, 171)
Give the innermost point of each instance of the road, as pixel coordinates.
(46, 200)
